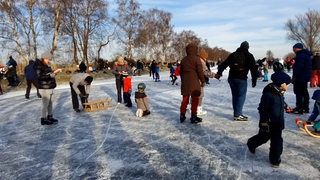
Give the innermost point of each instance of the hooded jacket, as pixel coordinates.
(271, 107)
(191, 72)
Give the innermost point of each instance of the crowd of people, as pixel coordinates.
(192, 73)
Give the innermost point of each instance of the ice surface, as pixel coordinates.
(115, 144)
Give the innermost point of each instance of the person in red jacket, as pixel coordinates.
(127, 89)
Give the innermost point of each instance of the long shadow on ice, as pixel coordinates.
(42, 158)
(126, 155)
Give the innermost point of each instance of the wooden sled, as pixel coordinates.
(97, 105)
(306, 126)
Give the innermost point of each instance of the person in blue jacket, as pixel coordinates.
(31, 77)
(316, 110)
(271, 121)
(301, 75)
(11, 74)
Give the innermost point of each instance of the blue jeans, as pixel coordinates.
(239, 93)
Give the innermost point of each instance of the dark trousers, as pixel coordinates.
(276, 144)
(74, 96)
(119, 85)
(29, 84)
(173, 79)
(300, 89)
(127, 98)
(185, 102)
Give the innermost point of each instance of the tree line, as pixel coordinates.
(79, 30)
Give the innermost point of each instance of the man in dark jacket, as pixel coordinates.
(46, 84)
(301, 75)
(240, 62)
(271, 121)
(192, 78)
(31, 77)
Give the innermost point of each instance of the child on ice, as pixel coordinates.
(271, 121)
(127, 88)
(316, 110)
(141, 99)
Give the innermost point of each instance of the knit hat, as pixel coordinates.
(316, 95)
(298, 45)
(203, 54)
(46, 55)
(280, 77)
(88, 79)
(277, 66)
(244, 45)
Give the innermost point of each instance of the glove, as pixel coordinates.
(264, 127)
(83, 95)
(254, 84)
(217, 76)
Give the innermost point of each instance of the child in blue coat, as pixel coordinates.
(316, 110)
(271, 123)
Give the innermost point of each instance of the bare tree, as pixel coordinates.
(269, 55)
(83, 22)
(127, 20)
(164, 30)
(55, 16)
(305, 29)
(181, 40)
(9, 18)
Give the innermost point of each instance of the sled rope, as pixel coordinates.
(100, 146)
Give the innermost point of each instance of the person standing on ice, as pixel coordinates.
(207, 74)
(120, 67)
(46, 84)
(271, 121)
(239, 62)
(301, 75)
(31, 77)
(192, 78)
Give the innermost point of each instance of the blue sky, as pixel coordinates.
(226, 23)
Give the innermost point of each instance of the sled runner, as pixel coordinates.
(306, 126)
(97, 105)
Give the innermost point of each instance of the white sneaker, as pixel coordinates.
(200, 111)
(139, 113)
(240, 118)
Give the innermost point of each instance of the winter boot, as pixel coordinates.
(195, 119)
(182, 117)
(200, 111)
(50, 118)
(45, 121)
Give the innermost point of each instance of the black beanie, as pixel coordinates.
(280, 77)
(88, 79)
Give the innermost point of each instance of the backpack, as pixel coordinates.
(238, 61)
